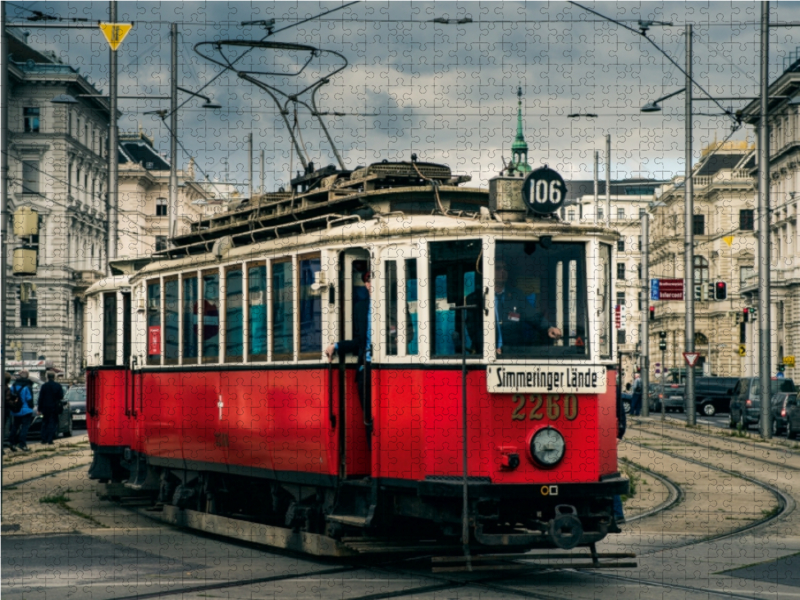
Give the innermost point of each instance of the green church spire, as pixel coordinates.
(519, 149)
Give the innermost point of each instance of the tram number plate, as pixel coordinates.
(535, 407)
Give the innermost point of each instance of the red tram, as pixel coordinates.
(209, 387)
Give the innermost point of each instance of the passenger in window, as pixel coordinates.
(516, 318)
(360, 345)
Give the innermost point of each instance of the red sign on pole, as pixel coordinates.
(617, 316)
(691, 358)
(154, 340)
(670, 289)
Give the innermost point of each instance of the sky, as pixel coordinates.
(444, 91)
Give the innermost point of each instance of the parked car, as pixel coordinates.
(745, 405)
(64, 419)
(713, 394)
(779, 409)
(673, 398)
(76, 396)
(792, 416)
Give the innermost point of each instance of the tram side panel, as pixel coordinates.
(607, 426)
(107, 419)
(162, 415)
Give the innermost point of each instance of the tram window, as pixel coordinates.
(110, 329)
(540, 299)
(257, 306)
(310, 307)
(234, 344)
(603, 283)
(171, 320)
(457, 281)
(154, 323)
(210, 317)
(282, 310)
(412, 304)
(126, 327)
(190, 306)
(390, 295)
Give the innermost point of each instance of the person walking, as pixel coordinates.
(50, 407)
(7, 401)
(22, 389)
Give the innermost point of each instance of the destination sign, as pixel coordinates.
(563, 379)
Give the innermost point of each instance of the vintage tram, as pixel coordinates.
(483, 414)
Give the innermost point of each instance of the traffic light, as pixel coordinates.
(652, 313)
(781, 368)
(720, 290)
(745, 314)
(753, 313)
(662, 335)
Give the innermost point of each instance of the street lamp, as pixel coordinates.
(653, 106)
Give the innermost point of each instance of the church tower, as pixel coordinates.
(519, 149)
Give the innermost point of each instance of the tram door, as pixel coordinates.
(354, 382)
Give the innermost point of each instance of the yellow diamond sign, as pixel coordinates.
(115, 33)
(728, 240)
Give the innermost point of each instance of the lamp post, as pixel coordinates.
(688, 228)
(645, 315)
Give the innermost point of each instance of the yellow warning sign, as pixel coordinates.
(728, 240)
(742, 350)
(115, 33)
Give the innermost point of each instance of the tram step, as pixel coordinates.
(352, 520)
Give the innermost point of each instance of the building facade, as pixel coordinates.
(57, 156)
(724, 251)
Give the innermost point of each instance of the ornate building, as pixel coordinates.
(57, 170)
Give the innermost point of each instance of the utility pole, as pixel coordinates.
(113, 144)
(765, 339)
(691, 417)
(645, 315)
(173, 134)
(596, 183)
(262, 172)
(608, 180)
(250, 163)
(4, 191)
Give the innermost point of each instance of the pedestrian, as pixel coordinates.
(636, 399)
(7, 401)
(22, 390)
(50, 397)
(622, 426)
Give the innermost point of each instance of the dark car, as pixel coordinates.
(76, 396)
(792, 416)
(713, 394)
(746, 401)
(64, 419)
(779, 409)
(673, 397)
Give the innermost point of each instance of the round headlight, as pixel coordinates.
(547, 447)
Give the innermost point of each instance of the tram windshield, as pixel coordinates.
(540, 299)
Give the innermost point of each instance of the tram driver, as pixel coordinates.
(517, 322)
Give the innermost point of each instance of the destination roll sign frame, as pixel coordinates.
(544, 190)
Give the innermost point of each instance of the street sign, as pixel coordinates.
(742, 350)
(728, 240)
(666, 289)
(544, 190)
(788, 361)
(115, 33)
(691, 358)
(779, 375)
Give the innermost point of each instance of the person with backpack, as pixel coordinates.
(7, 399)
(50, 397)
(22, 410)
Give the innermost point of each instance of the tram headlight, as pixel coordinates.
(547, 447)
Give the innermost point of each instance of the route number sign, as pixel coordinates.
(544, 190)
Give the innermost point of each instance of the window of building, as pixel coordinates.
(571, 215)
(744, 274)
(161, 243)
(161, 207)
(282, 309)
(30, 177)
(210, 335)
(257, 307)
(620, 298)
(639, 271)
(30, 118)
(747, 219)
(699, 224)
(701, 272)
(190, 332)
(621, 245)
(620, 214)
(621, 271)
(621, 338)
(600, 214)
(234, 316)
(28, 305)
(640, 243)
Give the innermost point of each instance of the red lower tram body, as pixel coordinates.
(278, 446)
